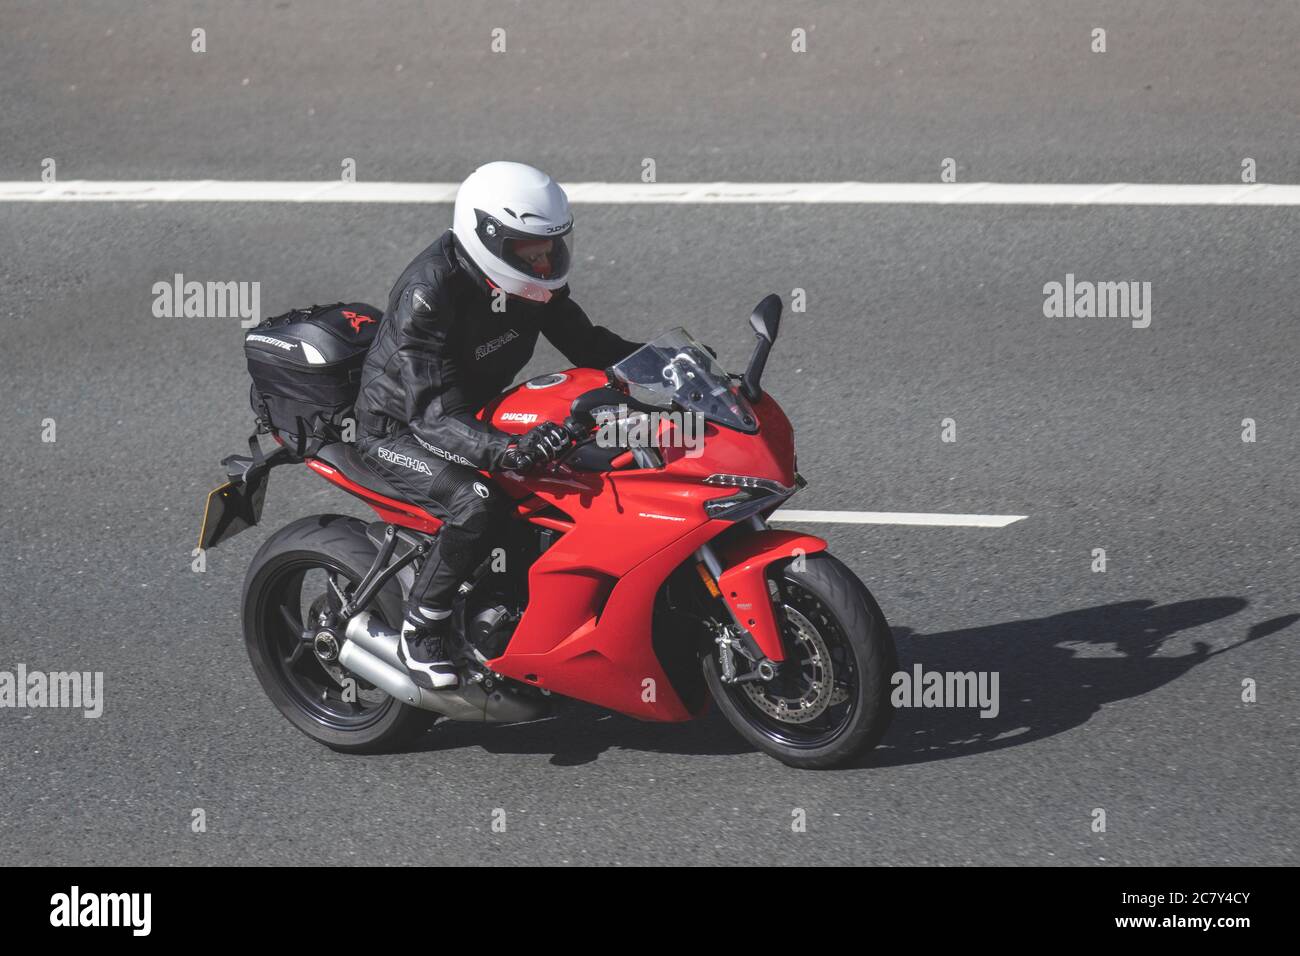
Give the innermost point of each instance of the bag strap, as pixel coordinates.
(250, 468)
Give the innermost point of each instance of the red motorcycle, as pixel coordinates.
(640, 576)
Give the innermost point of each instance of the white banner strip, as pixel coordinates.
(1001, 194)
(897, 517)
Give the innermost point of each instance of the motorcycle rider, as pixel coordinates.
(461, 322)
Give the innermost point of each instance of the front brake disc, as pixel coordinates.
(815, 674)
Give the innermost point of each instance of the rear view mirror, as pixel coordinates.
(765, 321)
(766, 318)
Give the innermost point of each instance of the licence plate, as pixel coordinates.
(231, 508)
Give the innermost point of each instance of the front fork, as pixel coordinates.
(736, 574)
(733, 639)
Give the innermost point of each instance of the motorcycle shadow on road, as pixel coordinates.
(1054, 672)
(579, 733)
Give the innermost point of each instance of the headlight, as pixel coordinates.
(770, 485)
(755, 495)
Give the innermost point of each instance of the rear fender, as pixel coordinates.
(743, 581)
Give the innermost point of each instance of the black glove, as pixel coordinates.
(516, 460)
(538, 445)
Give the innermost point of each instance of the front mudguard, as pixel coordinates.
(743, 581)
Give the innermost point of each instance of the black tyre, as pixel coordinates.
(830, 704)
(297, 573)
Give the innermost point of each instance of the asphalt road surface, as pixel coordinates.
(1120, 690)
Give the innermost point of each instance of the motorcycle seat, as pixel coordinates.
(349, 460)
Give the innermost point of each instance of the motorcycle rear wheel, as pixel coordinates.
(293, 577)
(830, 704)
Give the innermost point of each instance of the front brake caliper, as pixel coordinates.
(726, 656)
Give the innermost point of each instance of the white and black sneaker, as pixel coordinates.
(423, 648)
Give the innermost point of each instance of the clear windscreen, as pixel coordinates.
(674, 370)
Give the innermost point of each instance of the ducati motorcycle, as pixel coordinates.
(643, 578)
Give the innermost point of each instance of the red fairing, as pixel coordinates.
(586, 631)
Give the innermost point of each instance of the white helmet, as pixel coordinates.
(514, 223)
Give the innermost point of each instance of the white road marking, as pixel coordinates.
(1006, 194)
(898, 517)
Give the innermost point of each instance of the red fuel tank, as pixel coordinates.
(545, 398)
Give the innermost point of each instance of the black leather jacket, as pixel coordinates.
(441, 353)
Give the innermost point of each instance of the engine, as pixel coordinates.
(490, 629)
(495, 601)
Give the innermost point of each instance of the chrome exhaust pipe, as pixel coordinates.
(370, 652)
(372, 635)
(390, 680)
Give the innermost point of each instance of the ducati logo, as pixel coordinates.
(356, 320)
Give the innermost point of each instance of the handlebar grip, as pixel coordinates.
(576, 430)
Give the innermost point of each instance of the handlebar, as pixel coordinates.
(580, 435)
(581, 421)
(577, 431)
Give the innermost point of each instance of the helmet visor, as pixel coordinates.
(542, 257)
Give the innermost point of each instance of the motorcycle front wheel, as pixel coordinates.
(830, 702)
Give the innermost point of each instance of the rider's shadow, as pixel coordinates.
(1054, 673)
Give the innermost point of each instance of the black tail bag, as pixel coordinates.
(306, 369)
